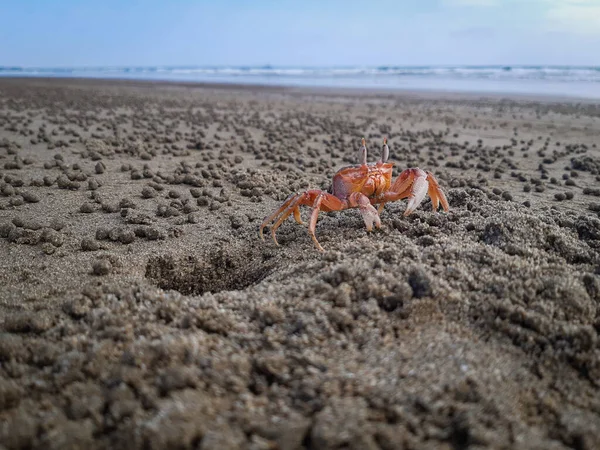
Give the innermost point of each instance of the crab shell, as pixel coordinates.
(371, 180)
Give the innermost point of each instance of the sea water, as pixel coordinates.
(558, 81)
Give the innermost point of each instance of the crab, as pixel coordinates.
(361, 186)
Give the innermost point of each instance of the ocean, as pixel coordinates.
(561, 81)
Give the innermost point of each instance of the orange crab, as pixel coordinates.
(361, 186)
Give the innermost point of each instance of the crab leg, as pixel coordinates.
(297, 216)
(318, 200)
(312, 225)
(327, 202)
(292, 208)
(273, 216)
(436, 194)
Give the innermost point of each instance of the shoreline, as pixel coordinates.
(421, 94)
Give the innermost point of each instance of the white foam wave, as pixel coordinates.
(548, 73)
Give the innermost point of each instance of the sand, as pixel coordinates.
(139, 308)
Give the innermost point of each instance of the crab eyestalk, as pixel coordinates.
(362, 153)
(385, 151)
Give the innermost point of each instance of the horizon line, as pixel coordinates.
(294, 66)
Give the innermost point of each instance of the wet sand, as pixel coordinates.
(139, 308)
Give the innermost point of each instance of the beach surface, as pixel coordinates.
(140, 309)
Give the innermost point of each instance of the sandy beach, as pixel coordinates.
(140, 309)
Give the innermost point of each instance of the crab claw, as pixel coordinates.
(370, 216)
(418, 190)
(367, 210)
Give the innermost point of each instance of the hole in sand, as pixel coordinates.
(224, 269)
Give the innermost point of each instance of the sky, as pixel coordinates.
(57, 33)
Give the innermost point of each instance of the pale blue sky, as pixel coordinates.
(308, 32)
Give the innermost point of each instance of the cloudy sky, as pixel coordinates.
(303, 32)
